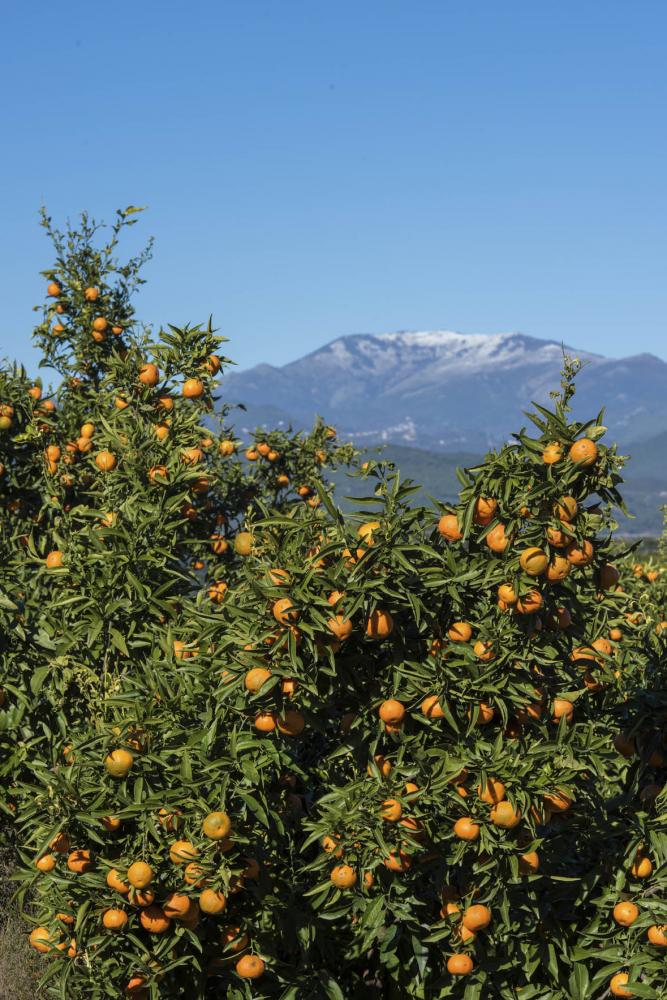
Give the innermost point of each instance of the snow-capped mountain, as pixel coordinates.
(447, 390)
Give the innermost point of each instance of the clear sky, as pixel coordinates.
(314, 169)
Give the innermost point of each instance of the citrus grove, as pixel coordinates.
(253, 746)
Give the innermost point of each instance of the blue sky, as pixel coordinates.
(314, 169)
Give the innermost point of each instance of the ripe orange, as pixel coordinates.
(584, 452)
(625, 913)
(504, 815)
(496, 539)
(557, 801)
(493, 791)
(118, 763)
(562, 708)
(265, 722)
(193, 388)
(114, 920)
(154, 920)
(484, 650)
(380, 624)
(558, 569)
(250, 967)
(139, 874)
(566, 509)
(448, 526)
(507, 593)
(53, 289)
(641, 867)
(177, 905)
(432, 708)
(484, 510)
(149, 375)
(476, 917)
(529, 863)
(552, 453)
(291, 723)
(80, 862)
(54, 560)
(391, 810)
(657, 934)
(465, 828)
(216, 826)
(398, 861)
(580, 553)
(343, 877)
(100, 324)
(40, 939)
(460, 965)
(256, 678)
(340, 626)
(182, 851)
(284, 611)
(243, 543)
(617, 985)
(392, 711)
(46, 863)
(533, 561)
(212, 902)
(91, 294)
(460, 632)
(105, 461)
(114, 881)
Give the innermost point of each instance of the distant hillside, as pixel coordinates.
(436, 473)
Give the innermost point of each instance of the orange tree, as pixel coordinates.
(256, 747)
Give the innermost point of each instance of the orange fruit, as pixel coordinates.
(216, 826)
(139, 874)
(380, 624)
(256, 678)
(343, 877)
(476, 917)
(558, 569)
(105, 461)
(504, 815)
(40, 939)
(177, 905)
(182, 851)
(392, 711)
(54, 560)
(154, 919)
(460, 632)
(552, 453)
(657, 934)
(448, 526)
(243, 543)
(212, 902)
(641, 867)
(114, 920)
(529, 863)
(46, 863)
(465, 828)
(398, 861)
(391, 810)
(250, 967)
(608, 576)
(265, 722)
(493, 791)
(496, 539)
(483, 650)
(114, 881)
(284, 611)
(507, 594)
(53, 289)
(562, 708)
(584, 452)
(118, 763)
(533, 561)
(193, 388)
(80, 862)
(432, 708)
(149, 375)
(580, 553)
(625, 913)
(484, 510)
(460, 965)
(617, 985)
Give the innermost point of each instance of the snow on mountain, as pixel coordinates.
(446, 390)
